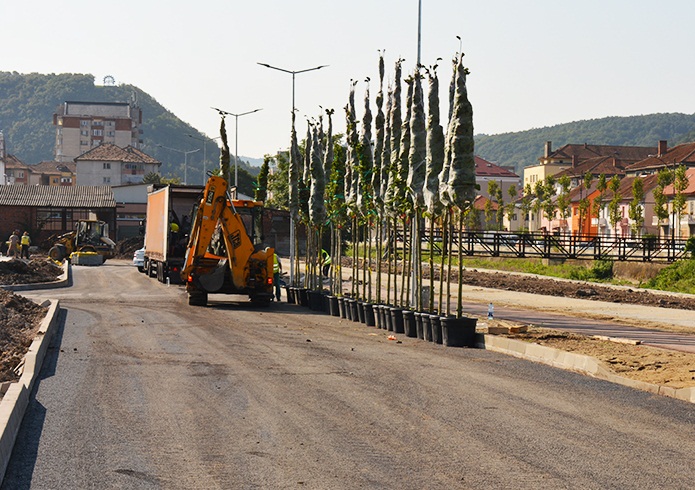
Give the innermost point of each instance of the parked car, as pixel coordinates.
(139, 259)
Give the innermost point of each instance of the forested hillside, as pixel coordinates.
(28, 102)
(524, 148)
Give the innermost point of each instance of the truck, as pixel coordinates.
(89, 236)
(168, 207)
(225, 252)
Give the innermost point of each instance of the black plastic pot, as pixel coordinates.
(386, 312)
(341, 307)
(436, 322)
(426, 326)
(333, 307)
(409, 324)
(289, 294)
(360, 311)
(369, 319)
(418, 325)
(377, 315)
(458, 332)
(397, 320)
(348, 308)
(303, 296)
(315, 300)
(355, 316)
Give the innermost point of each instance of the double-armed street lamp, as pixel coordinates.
(205, 150)
(236, 139)
(293, 73)
(185, 159)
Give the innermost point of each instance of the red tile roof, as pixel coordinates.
(681, 154)
(53, 167)
(585, 151)
(483, 168)
(108, 152)
(598, 165)
(690, 190)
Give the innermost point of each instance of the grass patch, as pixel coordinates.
(678, 277)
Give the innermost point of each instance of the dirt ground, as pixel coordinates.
(638, 362)
(20, 318)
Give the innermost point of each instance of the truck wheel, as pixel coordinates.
(160, 272)
(261, 300)
(150, 268)
(198, 298)
(141, 268)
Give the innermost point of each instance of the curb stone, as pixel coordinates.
(15, 401)
(575, 362)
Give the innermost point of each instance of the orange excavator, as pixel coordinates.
(225, 253)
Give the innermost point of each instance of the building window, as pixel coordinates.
(107, 166)
(84, 132)
(66, 180)
(109, 123)
(107, 180)
(97, 132)
(514, 217)
(84, 142)
(97, 123)
(110, 133)
(55, 180)
(84, 123)
(20, 174)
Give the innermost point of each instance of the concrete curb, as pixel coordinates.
(575, 362)
(15, 402)
(61, 282)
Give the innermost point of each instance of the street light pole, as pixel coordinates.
(293, 73)
(185, 160)
(205, 150)
(236, 139)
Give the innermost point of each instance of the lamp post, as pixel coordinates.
(236, 139)
(205, 150)
(293, 73)
(185, 159)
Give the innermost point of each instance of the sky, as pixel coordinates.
(533, 63)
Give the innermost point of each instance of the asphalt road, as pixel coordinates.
(142, 391)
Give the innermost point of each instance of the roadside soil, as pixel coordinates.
(20, 319)
(638, 362)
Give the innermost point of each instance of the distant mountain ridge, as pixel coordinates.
(524, 148)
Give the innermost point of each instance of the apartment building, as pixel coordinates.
(81, 126)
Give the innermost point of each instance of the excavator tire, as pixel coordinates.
(198, 298)
(261, 299)
(56, 253)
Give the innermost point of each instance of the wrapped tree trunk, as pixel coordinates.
(461, 184)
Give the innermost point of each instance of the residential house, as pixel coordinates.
(16, 171)
(625, 226)
(686, 226)
(109, 164)
(571, 155)
(665, 158)
(486, 172)
(52, 173)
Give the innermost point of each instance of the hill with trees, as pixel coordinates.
(28, 102)
(524, 148)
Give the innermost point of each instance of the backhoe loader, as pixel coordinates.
(225, 253)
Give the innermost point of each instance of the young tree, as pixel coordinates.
(680, 184)
(491, 213)
(635, 209)
(510, 207)
(548, 204)
(261, 191)
(601, 187)
(584, 203)
(278, 182)
(563, 199)
(526, 205)
(614, 214)
(664, 178)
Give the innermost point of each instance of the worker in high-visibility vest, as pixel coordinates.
(25, 241)
(325, 262)
(277, 270)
